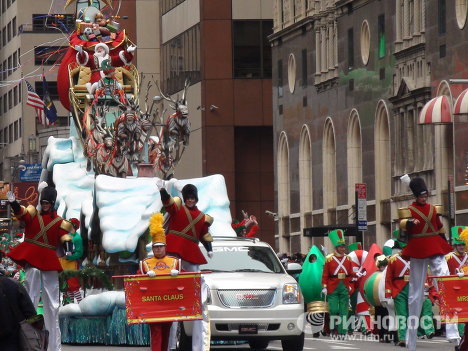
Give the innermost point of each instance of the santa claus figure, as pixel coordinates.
(101, 55)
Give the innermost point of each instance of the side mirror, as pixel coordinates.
(294, 268)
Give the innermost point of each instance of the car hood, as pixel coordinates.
(247, 280)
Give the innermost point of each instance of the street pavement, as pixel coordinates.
(359, 343)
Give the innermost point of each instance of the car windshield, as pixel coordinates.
(243, 259)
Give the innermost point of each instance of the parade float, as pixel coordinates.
(121, 140)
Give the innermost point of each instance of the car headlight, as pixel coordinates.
(291, 294)
(208, 296)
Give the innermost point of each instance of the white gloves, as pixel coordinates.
(11, 196)
(131, 48)
(161, 184)
(151, 273)
(460, 273)
(210, 254)
(79, 48)
(361, 274)
(324, 291)
(174, 272)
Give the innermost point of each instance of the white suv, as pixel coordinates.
(251, 297)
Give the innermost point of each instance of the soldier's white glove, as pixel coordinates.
(79, 48)
(11, 196)
(460, 273)
(361, 274)
(210, 254)
(174, 272)
(151, 273)
(161, 184)
(324, 291)
(131, 48)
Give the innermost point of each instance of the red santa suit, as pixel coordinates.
(187, 227)
(122, 58)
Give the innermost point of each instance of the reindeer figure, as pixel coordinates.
(178, 124)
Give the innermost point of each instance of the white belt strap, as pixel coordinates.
(461, 263)
(340, 265)
(406, 266)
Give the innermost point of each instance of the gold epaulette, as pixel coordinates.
(404, 224)
(209, 219)
(207, 237)
(66, 225)
(329, 257)
(30, 209)
(392, 258)
(177, 201)
(404, 213)
(449, 256)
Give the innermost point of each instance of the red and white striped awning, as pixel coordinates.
(461, 104)
(436, 111)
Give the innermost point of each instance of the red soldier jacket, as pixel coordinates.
(187, 226)
(397, 275)
(42, 235)
(336, 269)
(424, 239)
(456, 262)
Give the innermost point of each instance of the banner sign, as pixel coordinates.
(162, 298)
(31, 172)
(453, 295)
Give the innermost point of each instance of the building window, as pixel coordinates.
(5, 103)
(365, 42)
(9, 31)
(168, 5)
(15, 95)
(461, 11)
(48, 55)
(251, 49)
(441, 15)
(51, 86)
(15, 130)
(280, 78)
(4, 36)
(10, 100)
(53, 23)
(291, 73)
(350, 48)
(381, 35)
(10, 65)
(14, 28)
(15, 61)
(180, 58)
(10, 133)
(304, 68)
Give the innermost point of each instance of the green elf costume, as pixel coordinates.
(336, 282)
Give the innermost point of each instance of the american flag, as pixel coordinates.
(35, 101)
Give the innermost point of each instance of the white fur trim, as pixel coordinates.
(102, 45)
(86, 55)
(122, 57)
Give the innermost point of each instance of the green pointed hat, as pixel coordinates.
(456, 231)
(337, 237)
(355, 246)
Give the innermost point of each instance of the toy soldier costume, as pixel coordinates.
(427, 246)
(336, 282)
(44, 232)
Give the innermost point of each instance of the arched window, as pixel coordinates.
(354, 154)
(305, 183)
(383, 173)
(329, 172)
(283, 192)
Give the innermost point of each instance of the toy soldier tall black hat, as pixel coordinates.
(190, 190)
(48, 193)
(418, 186)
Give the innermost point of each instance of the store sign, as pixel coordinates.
(31, 172)
(361, 191)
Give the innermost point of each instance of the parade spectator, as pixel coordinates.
(12, 292)
(427, 246)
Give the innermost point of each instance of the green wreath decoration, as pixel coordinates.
(85, 276)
